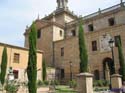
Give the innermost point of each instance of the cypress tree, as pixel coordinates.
(32, 61)
(82, 50)
(121, 60)
(44, 70)
(3, 66)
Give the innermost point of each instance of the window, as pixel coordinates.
(117, 39)
(73, 33)
(62, 51)
(39, 33)
(15, 72)
(60, 32)
(62, 73)
(16, 58)
(96, 75)
(111, 21)
(94, 46)
(90, 27)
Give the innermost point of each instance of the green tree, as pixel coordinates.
(32, 61)
(44, 69)
(121, 60)
(3, 66)
(83, 50)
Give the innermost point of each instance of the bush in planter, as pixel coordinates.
(54, 82)
(72, 84)
(46, 83)
(106, 83)
(39, 83)
(101, 83)
(11, 86)
(95, 83)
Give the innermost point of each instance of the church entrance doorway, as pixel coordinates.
(108, 69)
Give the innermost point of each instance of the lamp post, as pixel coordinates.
(111, 44)
(70, 71)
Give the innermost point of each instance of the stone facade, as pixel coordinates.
(102, 29)
(71, 54)
(51, 30)
(59, 40)
(18, 60)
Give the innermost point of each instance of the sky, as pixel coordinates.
(16, 14)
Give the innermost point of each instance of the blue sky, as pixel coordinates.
(16, 14)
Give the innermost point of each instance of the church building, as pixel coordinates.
(57, 36)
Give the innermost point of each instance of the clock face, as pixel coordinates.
(104, 43)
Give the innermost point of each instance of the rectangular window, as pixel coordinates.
(61, 33)
(62, 51)
(90, 27)
(16, 58)
(73, 33)
(111, 21)
(94, 45)
(62, 73)
(117, 39)
(39, 33)
(15, 72)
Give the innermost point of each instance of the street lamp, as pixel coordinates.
(111, 44)
(70, 71)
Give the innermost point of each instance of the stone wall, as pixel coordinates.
(97, 57)
(23, 60)
(71, 54)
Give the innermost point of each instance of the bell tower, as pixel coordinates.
(62, 4)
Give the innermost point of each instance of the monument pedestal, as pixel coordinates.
(85, 83)
(116, 83)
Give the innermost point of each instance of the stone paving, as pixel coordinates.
(104, 92)
(39, 90)
(46, 90)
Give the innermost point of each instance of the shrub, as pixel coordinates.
(72, 84)
(12, 86)
(46, 82)
(39, 83)
(106, 83)
(55, 82)
(101, 83)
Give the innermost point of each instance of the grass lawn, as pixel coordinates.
(64, 89)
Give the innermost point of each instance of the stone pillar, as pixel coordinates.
(116, 83)
(85, 83)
